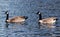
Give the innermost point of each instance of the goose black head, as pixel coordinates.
(6, 12)
(38, 12)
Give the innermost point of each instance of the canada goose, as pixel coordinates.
(16, 19)
(47, 21)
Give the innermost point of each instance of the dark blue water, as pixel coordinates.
(28, 8)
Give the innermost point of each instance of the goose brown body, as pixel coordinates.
(49, 20)
(16, 19)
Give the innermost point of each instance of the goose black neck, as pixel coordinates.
(40, 17)
(7, 16)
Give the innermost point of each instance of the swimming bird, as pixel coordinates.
(49, 22)
(16, 19)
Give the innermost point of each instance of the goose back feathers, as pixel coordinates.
(17, 19)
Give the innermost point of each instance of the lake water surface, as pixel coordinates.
(28, 8)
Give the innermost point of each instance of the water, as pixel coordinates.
(29, 8)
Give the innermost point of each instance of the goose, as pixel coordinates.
(49, 22)
(16, 19)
